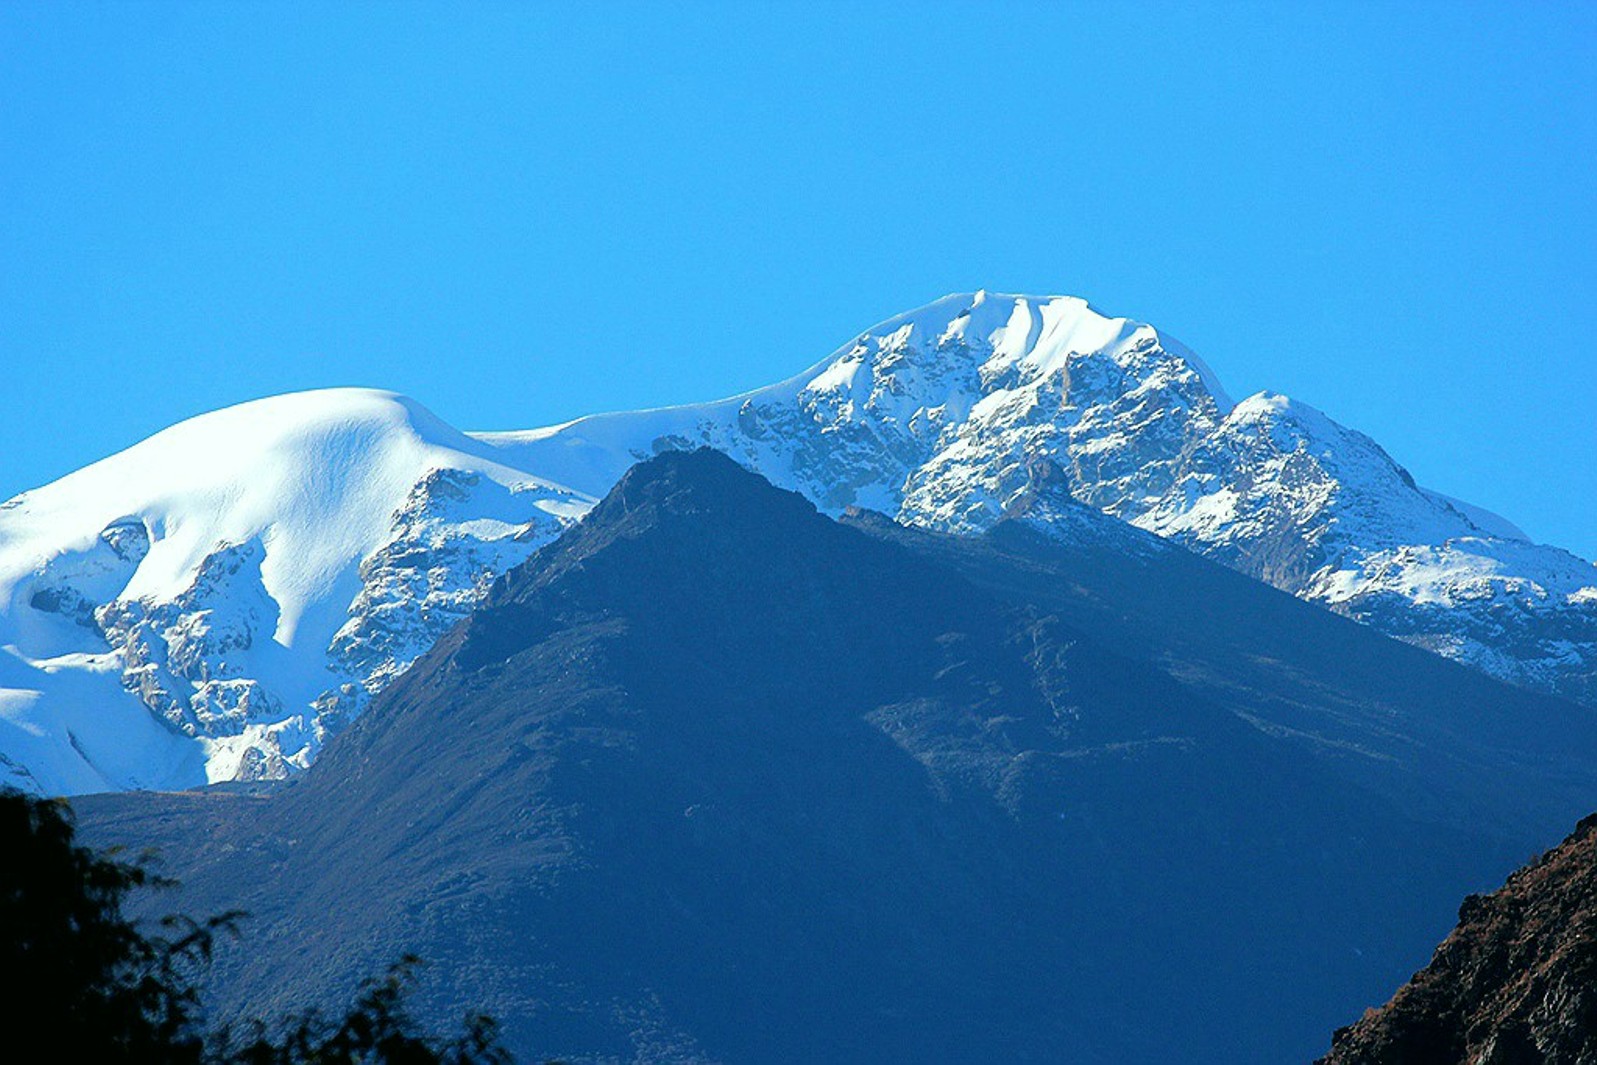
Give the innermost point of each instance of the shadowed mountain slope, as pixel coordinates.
(713, 777)
(1436, 736)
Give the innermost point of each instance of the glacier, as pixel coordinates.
(214, 602)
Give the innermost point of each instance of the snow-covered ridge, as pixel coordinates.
(190, 597)
(212, 602)
(943, 416)
(913, 373)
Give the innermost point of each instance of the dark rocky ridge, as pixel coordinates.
(1514, 984)
(713, 777)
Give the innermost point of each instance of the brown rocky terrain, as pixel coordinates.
(1516, 981)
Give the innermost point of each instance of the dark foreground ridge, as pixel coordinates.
(714, 778)
(1514, 984)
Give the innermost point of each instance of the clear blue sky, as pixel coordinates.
(524, 213)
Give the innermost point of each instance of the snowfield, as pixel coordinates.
(215, 601)
(182, 611)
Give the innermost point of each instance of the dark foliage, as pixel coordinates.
(86, 983)
(377, 1029)
(84, 978)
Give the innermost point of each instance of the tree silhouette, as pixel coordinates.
(376, 1029)
(86, 983)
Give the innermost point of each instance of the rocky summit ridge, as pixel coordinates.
(215, 601)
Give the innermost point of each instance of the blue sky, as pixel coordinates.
(519, 214)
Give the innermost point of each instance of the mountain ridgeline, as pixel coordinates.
(217, 601)
(714, 777)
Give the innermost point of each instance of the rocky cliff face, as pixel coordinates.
(451, 537)
(1514, 984)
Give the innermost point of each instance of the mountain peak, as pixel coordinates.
(317, 475)
(700, 469)
(689, 503)
(698, 481)
(1060, 324)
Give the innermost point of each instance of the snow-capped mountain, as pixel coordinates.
(211, 602)
(943, 417)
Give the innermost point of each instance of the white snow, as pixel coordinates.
(1487, 521)
(314, 478)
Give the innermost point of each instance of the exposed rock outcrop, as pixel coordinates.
(1514, 984)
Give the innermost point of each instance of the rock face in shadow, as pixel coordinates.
(1438, 740)
(713, 777)
(1514, 984)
